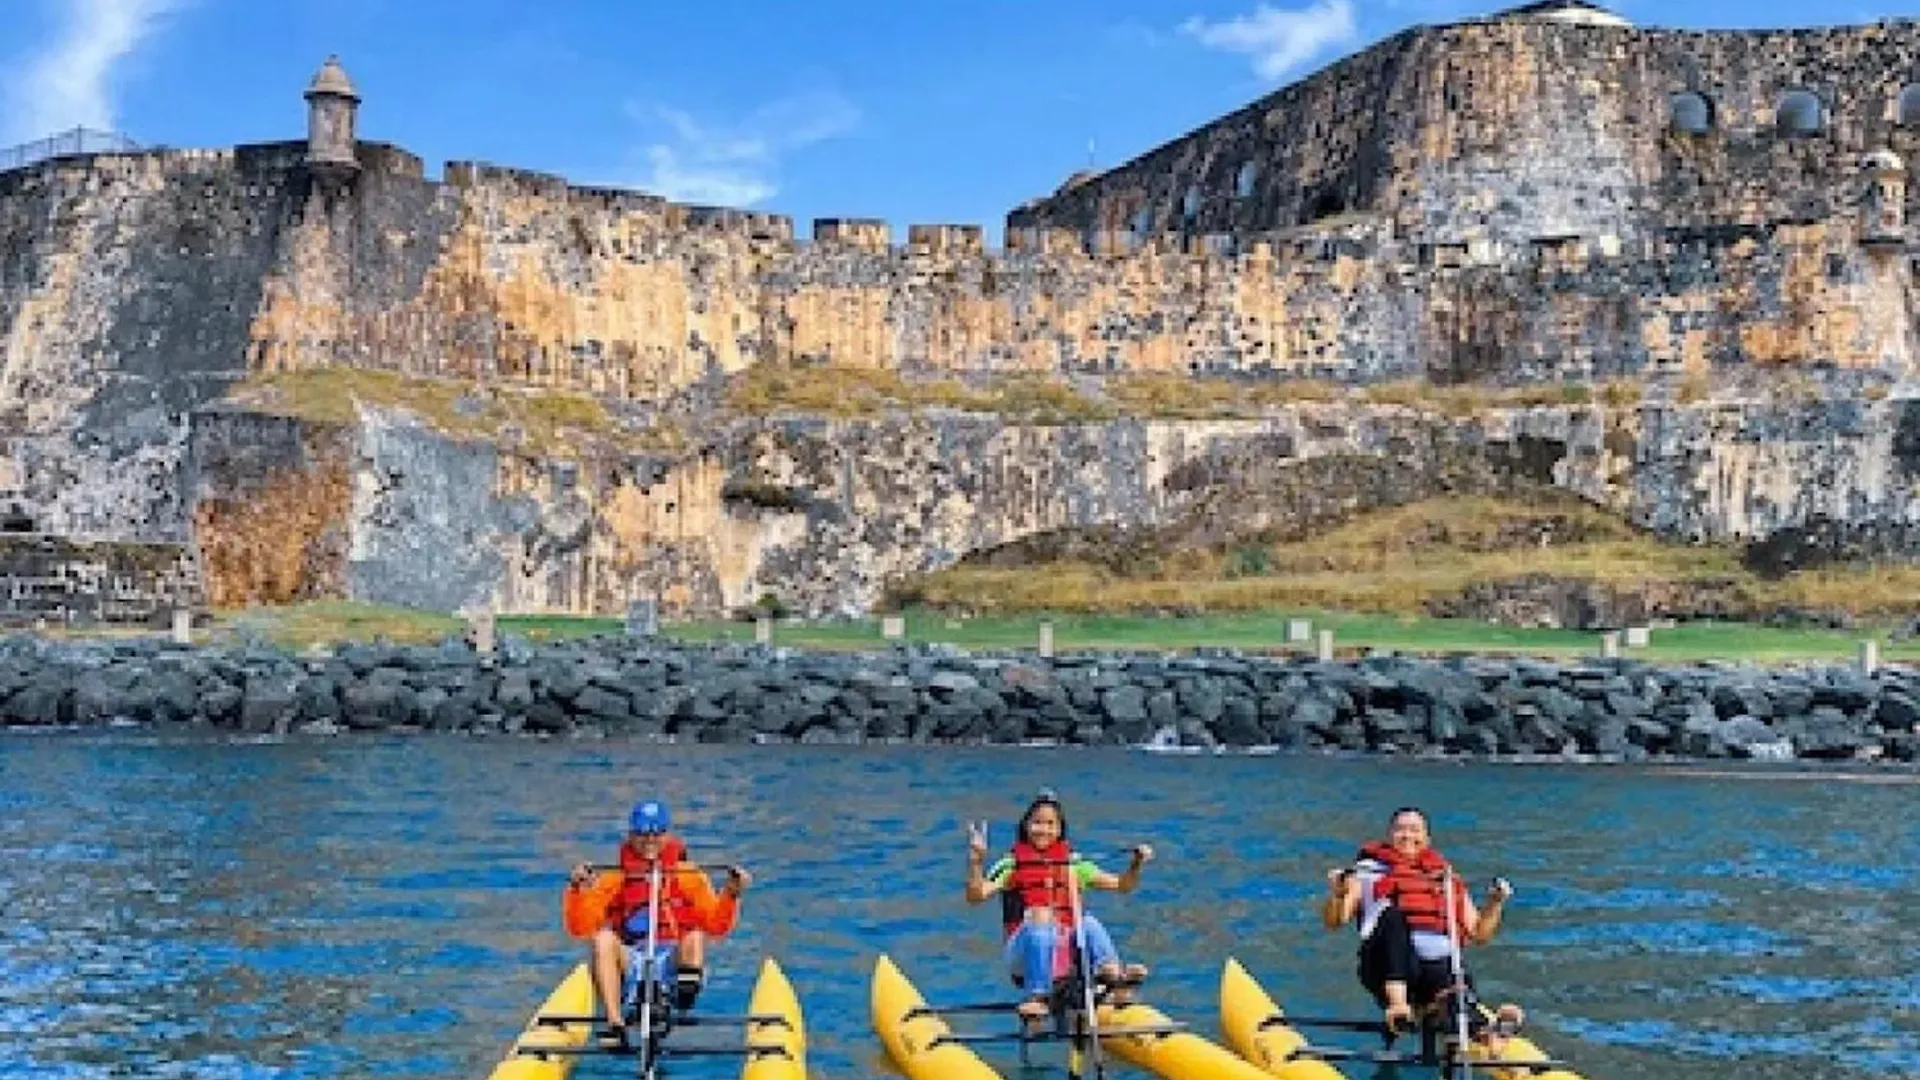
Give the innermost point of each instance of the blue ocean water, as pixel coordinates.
(208, 908)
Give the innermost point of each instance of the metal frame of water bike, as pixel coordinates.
(657, 1015)
(1456, 1066)
(1072, 999)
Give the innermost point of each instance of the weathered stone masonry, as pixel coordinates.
(1498, 201)
(1525, 128)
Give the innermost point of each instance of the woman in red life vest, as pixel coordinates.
(1395, 893)
(689, 911)
(1036, 912)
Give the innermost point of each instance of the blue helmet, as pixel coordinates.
(650, 816)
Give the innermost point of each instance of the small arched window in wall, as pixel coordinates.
(1798, 113)
(1142, 221)
(1907, 109)
(1690, 113)
(1244, 179)
(1190, 205)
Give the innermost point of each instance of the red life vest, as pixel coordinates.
(1417, 886)
(1038, 880)
(676, 909)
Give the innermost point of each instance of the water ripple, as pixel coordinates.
(295, 908)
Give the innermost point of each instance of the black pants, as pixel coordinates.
(1387, 956)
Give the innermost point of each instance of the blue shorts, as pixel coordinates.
(1035, 949)
(666, 965)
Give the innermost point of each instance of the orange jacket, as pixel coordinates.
(688, 901)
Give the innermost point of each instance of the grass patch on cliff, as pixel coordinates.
(539, 421)
(1405, 562)
(828, 390)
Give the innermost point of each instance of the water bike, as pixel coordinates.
(1083, 1012)
(1458, 1035)
(561, 1032)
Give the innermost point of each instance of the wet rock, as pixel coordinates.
(1826, 734)
(1732, 701)
(370, 705)
(1239, 723)
(1124, 704)
(1750, 737)
(603, 704)
(952, 682)
(515, 692)
(1621, 709)
(547, 716)
(43, 702)
(1702, 735)
(1898, 711)
(268, 705)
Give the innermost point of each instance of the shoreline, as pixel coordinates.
(1509, 710)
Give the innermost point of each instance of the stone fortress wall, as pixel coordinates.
(1500, 201)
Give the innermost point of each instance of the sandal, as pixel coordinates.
(1034, 1014)
(1508, 1019)
(614, 1037)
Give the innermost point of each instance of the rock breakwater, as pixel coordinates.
(1624, 710)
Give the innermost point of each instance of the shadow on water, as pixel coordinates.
(176, 908)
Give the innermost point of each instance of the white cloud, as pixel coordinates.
(736, 163)
(1279, 40)
(68, 81)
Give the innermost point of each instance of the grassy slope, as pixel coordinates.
(1396, 562)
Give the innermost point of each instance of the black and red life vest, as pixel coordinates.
(1038, 880)
(1417, 886)
(676, 908)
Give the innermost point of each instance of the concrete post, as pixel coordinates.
(1869, 657)
(1325, 652)
(1610, 645)
(1639, 637)
(893, 627)
(763, 631)
(1299, 631)
(182, 626)
(643, 619)
(482, 624)
(1046, 641)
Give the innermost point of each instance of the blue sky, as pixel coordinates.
(907, 110)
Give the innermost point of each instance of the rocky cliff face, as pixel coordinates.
(823, 513)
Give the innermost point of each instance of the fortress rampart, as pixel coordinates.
(1501, 202)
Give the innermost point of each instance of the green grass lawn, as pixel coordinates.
(1692, 641)
(333, 621)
